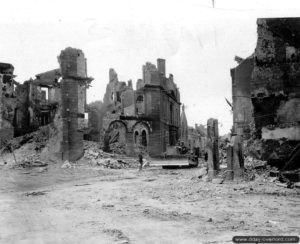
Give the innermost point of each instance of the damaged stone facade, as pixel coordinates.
(147, 118)
(241, 99)
(37, 102)
(266, 89)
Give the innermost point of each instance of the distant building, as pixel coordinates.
(183, 128)
(197, 137)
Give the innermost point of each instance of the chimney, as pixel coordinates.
(161, 66)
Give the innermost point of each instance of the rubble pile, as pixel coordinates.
(118, 148)
(259, 170)
(253, 148)
(256, 169)
(97, 157)
(223, 144)
(39, 138)
(223, 157)
(25, 151)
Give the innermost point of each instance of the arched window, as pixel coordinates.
(140, 105)
(136, 137)
(144, 138)
(171, 113)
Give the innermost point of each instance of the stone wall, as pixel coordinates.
(241, 98)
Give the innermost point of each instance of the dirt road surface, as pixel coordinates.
(94, 205)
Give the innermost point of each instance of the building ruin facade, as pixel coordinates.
(266, 89)
(147, 118)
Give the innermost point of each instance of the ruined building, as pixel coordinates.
(147, 118)
(56, 96)
(266, 89)
(197, 137)
(37, 102)
(7, 102)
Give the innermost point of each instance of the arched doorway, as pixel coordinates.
(115, 137)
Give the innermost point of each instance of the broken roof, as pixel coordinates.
(48, 78)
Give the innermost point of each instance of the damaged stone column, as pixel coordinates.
(212, 147)
(235, 157)
(73, 85)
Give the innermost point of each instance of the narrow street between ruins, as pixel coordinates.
(86, 204)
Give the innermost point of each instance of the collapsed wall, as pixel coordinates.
(271, 79)
(275, 86)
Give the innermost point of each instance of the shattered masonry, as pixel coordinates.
(266, 89)
(147, 118)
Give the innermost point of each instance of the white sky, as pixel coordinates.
(197, 41)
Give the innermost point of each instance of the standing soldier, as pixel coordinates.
(140, 159)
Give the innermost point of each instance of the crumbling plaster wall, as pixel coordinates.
(241, 99)
(275, 87)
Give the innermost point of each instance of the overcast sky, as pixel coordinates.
(198, 42)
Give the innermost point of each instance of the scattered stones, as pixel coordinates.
(205, 178)
(202, 172)
(66, 165)
(32, 164)
(255, 163)
(282, 185)
(118, 234)
(297, 185)
(217, 180)
(108, 206)
(39, 163)
(35, 193)
(271, 223)
(146, 211)
(41, 170)
(96, 157)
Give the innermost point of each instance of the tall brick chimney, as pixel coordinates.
(161, 66)
(73, 69)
